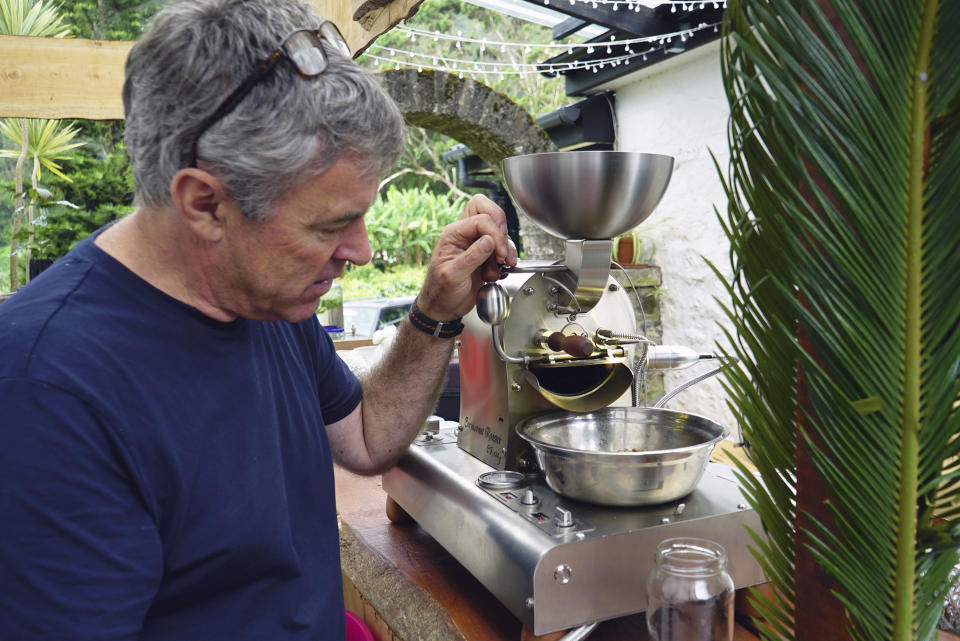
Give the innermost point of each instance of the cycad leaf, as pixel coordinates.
(842, 219)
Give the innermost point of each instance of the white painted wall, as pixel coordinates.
(678, 108)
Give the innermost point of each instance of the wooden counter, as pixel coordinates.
(406, 587)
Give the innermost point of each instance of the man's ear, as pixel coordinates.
(202, 202)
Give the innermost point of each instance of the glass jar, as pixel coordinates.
(689, 593)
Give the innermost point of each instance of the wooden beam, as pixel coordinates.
(61, 78)
(75, 78)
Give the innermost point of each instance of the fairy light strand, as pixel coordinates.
(633, 5)
(461, 66)
(414, 33)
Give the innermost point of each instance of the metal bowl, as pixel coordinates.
(622, 456)
(587, 194)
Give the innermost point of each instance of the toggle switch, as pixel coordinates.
(528, 497)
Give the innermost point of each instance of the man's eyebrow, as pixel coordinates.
(339, 220)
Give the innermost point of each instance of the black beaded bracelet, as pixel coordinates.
(437, 329)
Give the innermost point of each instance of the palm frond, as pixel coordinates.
(48, 141)
(32, 18)
(842, 218)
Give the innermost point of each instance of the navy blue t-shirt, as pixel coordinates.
(163, 475)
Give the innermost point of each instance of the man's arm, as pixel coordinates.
(402, 390)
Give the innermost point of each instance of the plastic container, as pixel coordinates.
(357, 630)
(689, 593)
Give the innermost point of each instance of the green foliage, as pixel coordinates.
(843, 223)
(99, 183)
(47, 141)
(404, 226)
(101, 191)
(109, 19)
(367, 280)
(32, 18)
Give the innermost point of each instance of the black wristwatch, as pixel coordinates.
(437, 329)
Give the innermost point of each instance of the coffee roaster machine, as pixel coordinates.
(555, 486)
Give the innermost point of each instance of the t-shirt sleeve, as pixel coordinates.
(80, 556)
(340, 391)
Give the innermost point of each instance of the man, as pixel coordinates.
(169, 406)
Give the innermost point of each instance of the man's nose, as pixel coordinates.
(356, 245)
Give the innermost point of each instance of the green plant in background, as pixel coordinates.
(45, 142)
(27, 18)
(41, 245)
(32, 18)
(367, 280)
(843, 222)
(404, 226)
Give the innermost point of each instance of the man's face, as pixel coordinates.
(280, 268)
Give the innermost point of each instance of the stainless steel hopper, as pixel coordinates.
(587, 194)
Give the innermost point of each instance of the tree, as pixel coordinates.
(26, 18)
(844, 151)
(45, 141)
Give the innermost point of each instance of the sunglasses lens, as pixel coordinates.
(304, 50)
(332, 35)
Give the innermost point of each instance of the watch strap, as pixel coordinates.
(437, 329)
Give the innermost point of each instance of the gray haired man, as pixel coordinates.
(171, 409)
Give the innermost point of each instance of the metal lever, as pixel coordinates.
(492, 309)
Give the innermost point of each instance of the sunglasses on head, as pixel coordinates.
(302, 48)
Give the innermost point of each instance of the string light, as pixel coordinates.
(633, 5)
(460, 66)
(459, 40)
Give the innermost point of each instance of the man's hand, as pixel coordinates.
(467, 255)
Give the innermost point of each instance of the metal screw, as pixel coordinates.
(680, 508)
(563, 574)
(528, 602)
(564, 518)
(457, 343)
(613, 287)
(529, 291)
(665, 519)
(741, 506)
(516, 387)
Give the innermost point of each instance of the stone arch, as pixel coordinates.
(492, 125)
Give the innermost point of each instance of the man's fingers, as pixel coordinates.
(469, 229)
